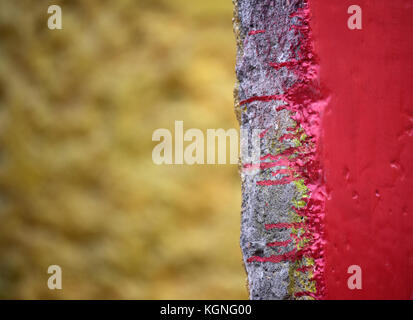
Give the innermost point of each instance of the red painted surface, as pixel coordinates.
(367, 145)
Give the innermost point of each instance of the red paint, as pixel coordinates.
(274, 182)
(279, 243)
(261, 98)
(304, 269)
(277, 161)
(305, 293)
(367, 145)
(292, 255)
(287, 136)
(290, 64)
(263, 133)
(254, 32)
(262, 165)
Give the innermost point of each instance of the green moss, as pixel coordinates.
(297, 143)
(301, 187)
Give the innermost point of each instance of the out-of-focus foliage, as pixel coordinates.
(77, 184)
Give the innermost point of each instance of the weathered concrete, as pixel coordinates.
(266, 39)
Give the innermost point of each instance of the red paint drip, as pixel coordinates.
(287, 136)
(279, 243)
(288, 64)
(263, 165)
(261, 98)
(254, 32)
(286, 180)
(279, 162)
(262, 134)
(306, 293)
(289, 256)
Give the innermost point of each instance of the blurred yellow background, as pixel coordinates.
(78, 188)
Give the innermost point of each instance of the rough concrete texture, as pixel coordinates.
(267, 40)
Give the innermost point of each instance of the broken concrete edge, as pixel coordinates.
(296, 204)
(237, 109)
